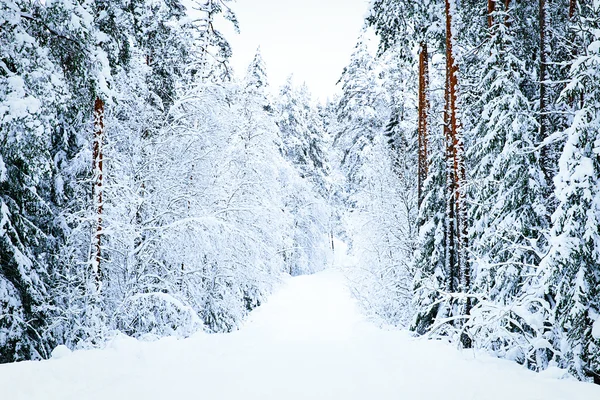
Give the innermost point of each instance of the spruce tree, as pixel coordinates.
(35, 98)
(572, 269)
(508, 192)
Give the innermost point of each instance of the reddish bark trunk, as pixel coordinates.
(97, 169)
(491, 7)
(423, 119)
(542, 20)
(457, 240)
(543, 119)
(451, 154)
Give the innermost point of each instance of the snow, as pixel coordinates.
(61, 351)
(3, 171)
(307, 342)
(17, 103)
(596, 329)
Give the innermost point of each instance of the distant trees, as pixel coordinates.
(303, 144)
(375, 150)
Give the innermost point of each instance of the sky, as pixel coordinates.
(313, 39)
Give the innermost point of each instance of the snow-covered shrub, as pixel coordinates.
(158, 314)
(516, 331)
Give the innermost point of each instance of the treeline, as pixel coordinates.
(470, 144)
(144, 189)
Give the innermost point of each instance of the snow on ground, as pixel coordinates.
(308, 341)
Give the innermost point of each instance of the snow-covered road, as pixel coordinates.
(308, 342)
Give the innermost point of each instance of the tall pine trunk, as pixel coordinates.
(572, 7)
(97, 169)
(491, 7)
(543, 119)
(423, 118)
(456, 232)
(452, 143)
(574, 51)
(450, 224)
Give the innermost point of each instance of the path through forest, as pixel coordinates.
(309, 341)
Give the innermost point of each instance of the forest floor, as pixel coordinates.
(309, 341)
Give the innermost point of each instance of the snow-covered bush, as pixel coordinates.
(157, 314)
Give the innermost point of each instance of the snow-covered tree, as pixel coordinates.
(302, 133)
(572, 272)
(32, 97)
(361, 110)
(509, 214)
(303, 144)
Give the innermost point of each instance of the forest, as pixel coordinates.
(147, 189)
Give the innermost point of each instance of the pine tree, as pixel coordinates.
(432, 267)
(430, 281)
(211, 50)
(256, 76)
(158, 30)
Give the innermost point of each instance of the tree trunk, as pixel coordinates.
(572, 10)
(97, 168)
(450, 231)
(457, 239)
(451, 129)
(491, 7)
(543, 119)
(423, 118)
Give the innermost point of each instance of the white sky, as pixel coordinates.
(313, 39)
